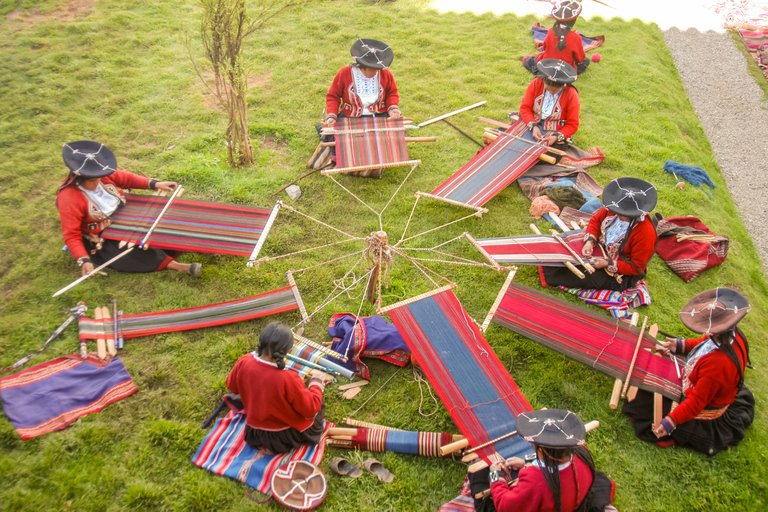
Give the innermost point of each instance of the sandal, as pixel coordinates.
(377, 468)
(342, 467)
(195, 269)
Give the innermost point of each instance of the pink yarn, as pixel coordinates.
(542, 205)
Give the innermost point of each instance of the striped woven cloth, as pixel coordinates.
(604, 344)
(189, 225)
(426, 444)
(464, 502)
(146, 324)
(542, 250)
(492, 169)
(475, 387)
(370, 141)
(617, 303)
(225, 452)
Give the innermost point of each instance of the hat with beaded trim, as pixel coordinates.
(373, 54)
(714, 311)
(556, 70)
(89, 159)
(566, 10)
(630, 197)
(552, 428)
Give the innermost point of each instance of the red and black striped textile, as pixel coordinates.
(477, 390)
(596, 341)
(370, 141)
(492, 169)
(534, 249)
(146, 324)
(189, 225)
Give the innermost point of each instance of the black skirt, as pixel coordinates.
(705, 436)
(286, 440)
(600, 280)
(137, 261)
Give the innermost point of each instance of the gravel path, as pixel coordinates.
(726, 98)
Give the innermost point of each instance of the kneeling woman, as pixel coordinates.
(716, 407)
(281, 414)
(562, 477)
(89, 196)
(620, 240)
(562, 42)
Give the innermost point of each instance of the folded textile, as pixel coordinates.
(52, 395)
(540, 33)
(374, 337)
(565, 196)
(617, 303)
(685, 255)
(225, 452)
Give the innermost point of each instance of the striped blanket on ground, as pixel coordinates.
(370, 141)
(52, 395)
(225, 452)
(617, 303)
(491, 170)
(540, 33)
(474, 386)
(588, 338)
(189, 225)
(542, 250)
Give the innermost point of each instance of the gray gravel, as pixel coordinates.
(726, 98)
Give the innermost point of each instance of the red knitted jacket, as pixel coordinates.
(342, 98)
(274, 399)
(79, 215)
(573, 53)
(640, 245)
(712, 381)
(565, 116)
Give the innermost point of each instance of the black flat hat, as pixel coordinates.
(714, 311)
(373, 54)
(631, 197)
(557, 70)
(566, 10)
(89, 159)
(553, 428)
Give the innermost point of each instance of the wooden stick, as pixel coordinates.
(482, 251)
(143, 243)
(453, 447)
(563, 227)
(658, 409)
(318, 346)
(365, 424)
(93, 272)
(326, 172)
(479, 209)
(498, 124)
(583, 263)
(497, 302)
(634, 358)
(449, 114)
(618, 384)
(421, 139)
(535, 228)
(351, 385)
(110, 341)
(469, 457)
(297, 296)
(491, 136)
(263, 236)
(313, 171)
(101, 346)
(575, 226)
(653, 331)
(549, 149)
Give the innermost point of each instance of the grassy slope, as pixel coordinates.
(121, 76)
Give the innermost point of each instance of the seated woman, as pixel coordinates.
(90, 194)
(561, 478)
(716, 406)
(624, 235)
(281, 414)
(551, 106)
(562, 42)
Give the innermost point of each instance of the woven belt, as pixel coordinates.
(711, 414)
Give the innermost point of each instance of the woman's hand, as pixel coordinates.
(551, 138)
(86, 269)
(395, 113)
(324, 377)
(589, 246)
(600, 262)
(667, 347)
(536, 133)
(497, 466)
(168, 186)
(660, 431)
(329, 122)
(514, 463)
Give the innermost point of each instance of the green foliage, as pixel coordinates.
(120, 75)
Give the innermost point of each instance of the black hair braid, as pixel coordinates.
(561, 30)
(724, 341)
(279, 357)
(276, 340)
(551, 472)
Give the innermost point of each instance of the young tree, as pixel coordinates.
(225, 26)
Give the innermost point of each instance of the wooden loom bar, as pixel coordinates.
(549, 149)
(543, 157)
(407, 139)
(263, 237)
(95, 271)
(417, 298)
(449, 114)
(478, 209)
(498, 300)
(365, 424)
(482, 251)
(388, 165)
(321, 348)
(101, 345)
(570, 266)
(297, 296)
(495, 123)
(176, 193)
(634, 358)
(110, 341)
(559, 222)
(583, 263)
(618, 384)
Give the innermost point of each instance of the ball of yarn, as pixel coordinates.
(596, 57)
(542, 205)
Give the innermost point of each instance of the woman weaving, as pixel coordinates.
(89, 196)
(562, 42)
(619, 240)
(281, 414)
(562, 478)
(551, 106)
(716, 406)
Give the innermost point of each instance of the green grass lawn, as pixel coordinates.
(120, 75)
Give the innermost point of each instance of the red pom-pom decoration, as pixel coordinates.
(595, 57)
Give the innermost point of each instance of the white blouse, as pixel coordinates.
(106, 202)
(367, 89)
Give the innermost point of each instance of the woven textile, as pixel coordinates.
(617, 303)
(315, 356)
(464, 502)
(686, 257)
(540, 33)
(579, 179)
(492, 169)
(52, 395)
(426, 444)
(534, 249)
(477, 390)
(189, 225)
(600, 343)
(146, 324)
(370, 141)
(225, 452)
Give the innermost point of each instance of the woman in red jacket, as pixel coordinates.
(90, 194)
(551, 106)
(281, 414)
(716, 407)
(366, 87)
(562, 478)
(562, 42)
(619, 240)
